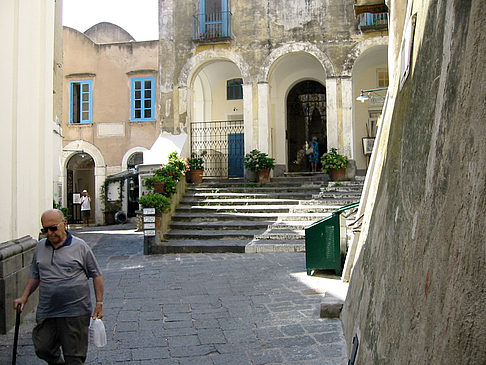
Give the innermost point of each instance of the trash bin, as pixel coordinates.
(323, 243)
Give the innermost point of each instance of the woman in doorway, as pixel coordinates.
(314, 156)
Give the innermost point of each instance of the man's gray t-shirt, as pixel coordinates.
(63, 274)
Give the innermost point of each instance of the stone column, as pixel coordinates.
(248, 116)
(99, 177)
(166, 64)
(347, 143)
(332, 113)
(340, 114)
(263, 127)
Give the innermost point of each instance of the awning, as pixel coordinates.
(369, 6)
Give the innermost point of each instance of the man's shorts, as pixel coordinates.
(86, 213)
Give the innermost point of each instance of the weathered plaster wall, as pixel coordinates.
(417, 292)
(307, 39)
(26, 101)
(258, 28)
(110, 66)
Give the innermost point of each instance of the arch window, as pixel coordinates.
(134, 160)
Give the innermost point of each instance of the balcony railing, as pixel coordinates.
(368, 21)
(212, 26)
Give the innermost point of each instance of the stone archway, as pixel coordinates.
(99, 173)
(79, 177)
(306, 118)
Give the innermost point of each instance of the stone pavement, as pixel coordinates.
(203, 308)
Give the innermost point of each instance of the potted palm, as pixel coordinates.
(196, 167)
(334, 163)
(260, 163)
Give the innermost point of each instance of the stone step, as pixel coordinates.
(260, 246)
(207, 235)
(237, 216)
(229, 225)
(282, 235)
(324, 207)
(253, 216)
(234, 208)
(219, 202)
(274, 181)
(202, 246)
(347, 188)
(252, 195)
(292, 225)
(255, 189)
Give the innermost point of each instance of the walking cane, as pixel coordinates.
(16, 335)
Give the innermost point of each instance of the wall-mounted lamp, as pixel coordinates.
(363, 97)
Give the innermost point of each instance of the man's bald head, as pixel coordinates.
(52, 213)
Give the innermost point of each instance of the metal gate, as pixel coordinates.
(221, 145)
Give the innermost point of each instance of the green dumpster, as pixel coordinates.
(322, 243)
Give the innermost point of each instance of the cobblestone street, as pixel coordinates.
(203, 308)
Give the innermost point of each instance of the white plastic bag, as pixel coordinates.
(97, 333)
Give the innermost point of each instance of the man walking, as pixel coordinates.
(61, 268)
(85, 202)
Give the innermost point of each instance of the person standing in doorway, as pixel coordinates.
(314, 156)
(85, 202)
(61, 268)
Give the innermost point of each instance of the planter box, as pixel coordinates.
(167, 218)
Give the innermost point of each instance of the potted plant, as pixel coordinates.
(164, 180)
(196, 167)
(334, 163)
(260, 163)
(113, 205)
(160, 202)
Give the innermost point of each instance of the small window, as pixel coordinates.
(143, 98)
(134, 160)
(80, 102)
(382, 77)
(234, 89)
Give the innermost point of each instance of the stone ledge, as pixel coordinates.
(331, 307)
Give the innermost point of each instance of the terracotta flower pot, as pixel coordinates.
(338, 174)
(264, 176)
(196, 176)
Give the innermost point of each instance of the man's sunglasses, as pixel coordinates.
(52, 228)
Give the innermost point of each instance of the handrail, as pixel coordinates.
(346, 207)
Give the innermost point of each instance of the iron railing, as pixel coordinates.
(212, 26)
(221, 146)
(368, 21)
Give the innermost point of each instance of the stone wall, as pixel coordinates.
(416, 295)
(15, 260)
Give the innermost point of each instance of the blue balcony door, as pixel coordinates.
(235, 155)
(213, 18)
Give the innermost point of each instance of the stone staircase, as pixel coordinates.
(237, 216)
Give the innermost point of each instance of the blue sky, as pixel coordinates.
(137, 17)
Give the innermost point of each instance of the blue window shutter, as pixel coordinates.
(224, 9)
(142, 95)
(80, 102)
(202, 17)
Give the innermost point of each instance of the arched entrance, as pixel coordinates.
(80, 176)
(217, 125)
(134, 160)
(306, 118)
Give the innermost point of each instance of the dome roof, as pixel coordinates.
(105, 32)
